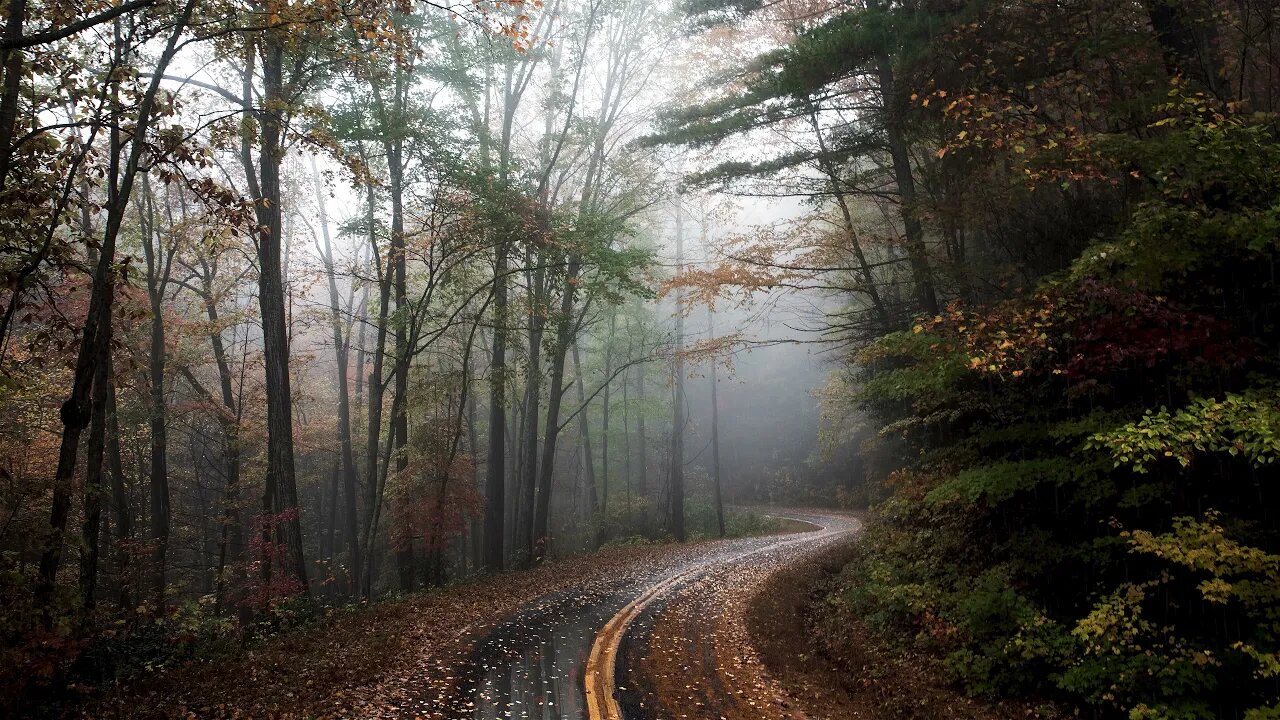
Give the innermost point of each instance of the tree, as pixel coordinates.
(341, 342)
(95, 341)
(675, 513)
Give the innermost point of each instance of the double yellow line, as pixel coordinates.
(598, 678)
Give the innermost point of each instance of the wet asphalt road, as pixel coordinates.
(531, 666)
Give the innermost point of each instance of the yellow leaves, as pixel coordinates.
(1216, 590)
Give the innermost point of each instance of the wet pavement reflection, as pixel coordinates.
(532, 667)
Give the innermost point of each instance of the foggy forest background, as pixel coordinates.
(312, 304)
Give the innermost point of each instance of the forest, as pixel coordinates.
(345, 317)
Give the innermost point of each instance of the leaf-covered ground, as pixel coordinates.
(372, 662)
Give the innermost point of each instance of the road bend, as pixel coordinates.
(656, 641)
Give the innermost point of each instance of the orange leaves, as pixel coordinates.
(1005, 340)
(717, 350)
(992, 121)
(704, 286)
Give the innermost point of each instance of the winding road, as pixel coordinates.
(658, 641)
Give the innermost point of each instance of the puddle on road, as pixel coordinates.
(534, 672)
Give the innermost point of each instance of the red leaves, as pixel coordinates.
(1091, 333)
(280, 583)
(1124, 330)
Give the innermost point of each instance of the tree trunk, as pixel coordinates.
(605, 409)
(676, 509)
(123, 513)
(533, 401)
(400, 420)
(642, 438)
(476, 556)
(542, 515)
(715, 429)
(376, 391)
(93, 487)
(917, 253)
(13, 61)
(495, 483)
(154, 254)
(584, 427)
(340, 350)
(626, 437)
(280, 498)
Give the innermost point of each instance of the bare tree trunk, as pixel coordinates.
(13, 61)
(605, 410)
(376, 392)
(917, 253)
(341, 354)
(715, 428)
(119, 498)
(476, 556)
(496, 483)
(400, 420)
(584, 427)
(93, 487)
(626, 437)
(157, 279)
(331, 523)
(542, 515)
(280, 491)
(675, 513)
(533, 401)
(642, 438)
